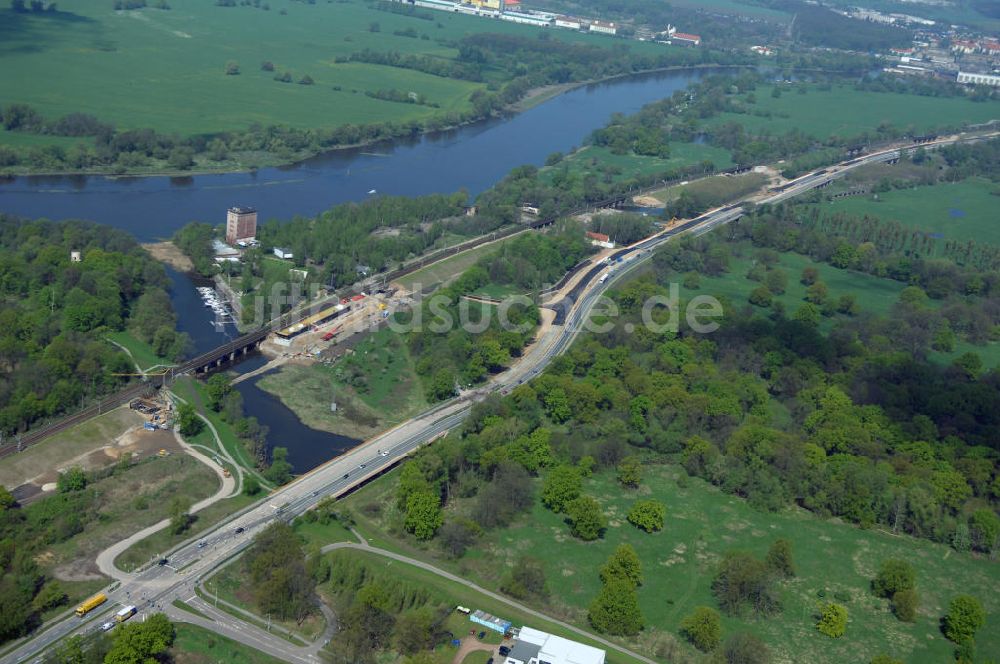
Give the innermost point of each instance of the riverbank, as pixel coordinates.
(168, 252)
(255, 161)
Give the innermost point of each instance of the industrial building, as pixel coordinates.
(979, 79)
(604, 27)
(600, 240)
(532, 646)
(685, 39)
(568, 22)
(241, 224)
(490, 621)
(284, 337)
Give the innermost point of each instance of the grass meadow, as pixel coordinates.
(393, 393)
(679, 563)
(164, 69)
(599, 161)
(959, 211)
(197, 645)
(844, 111)
(872, 294)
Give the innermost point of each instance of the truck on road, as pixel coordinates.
(91, 604)
(124, 614)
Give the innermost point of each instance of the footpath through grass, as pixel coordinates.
(141, 352)
(679, 564)
(458, 594)
(193, 390)
(158, 543)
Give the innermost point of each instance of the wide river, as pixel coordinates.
(471, 158)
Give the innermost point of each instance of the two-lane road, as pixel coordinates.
(196, 558)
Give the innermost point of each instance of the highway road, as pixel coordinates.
(158, 585)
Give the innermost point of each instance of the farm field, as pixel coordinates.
(960, 211)
(702, 525)
(598, 160)
(76, 59)
(843, 111)
(375, 388)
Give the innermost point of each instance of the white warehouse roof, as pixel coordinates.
(558, 650)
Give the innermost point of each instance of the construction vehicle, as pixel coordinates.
(91, 604)
(125, 614)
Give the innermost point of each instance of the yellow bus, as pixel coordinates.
(91, 604)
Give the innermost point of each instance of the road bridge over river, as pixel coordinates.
(196, 558)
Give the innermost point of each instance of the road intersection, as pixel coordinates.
(157, 586)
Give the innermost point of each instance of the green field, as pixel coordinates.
(703, 524)
(197, 645)
(141, 352)
(375, 388)
(872, 293)
(164, 540)
(843, 111)
(718, 188)
(960, 211)
(600, 160)
(443, 271)
(165, 69)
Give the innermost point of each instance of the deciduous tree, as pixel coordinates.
(833, 620)
(647, 515)
(964, 618)
(623, 564)
(585, 518)
(703, 628)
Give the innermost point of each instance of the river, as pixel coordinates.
(471, 158)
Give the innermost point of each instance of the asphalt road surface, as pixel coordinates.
(155, 587)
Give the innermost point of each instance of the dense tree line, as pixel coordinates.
(819, 26)
(379, 613)
(280, 580)
(56, 312)
(705, 400)
(224, 399)
(681, 118)
(463, 355)
(27, 589)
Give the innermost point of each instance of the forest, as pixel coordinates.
(56, 312)
(772, 408)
